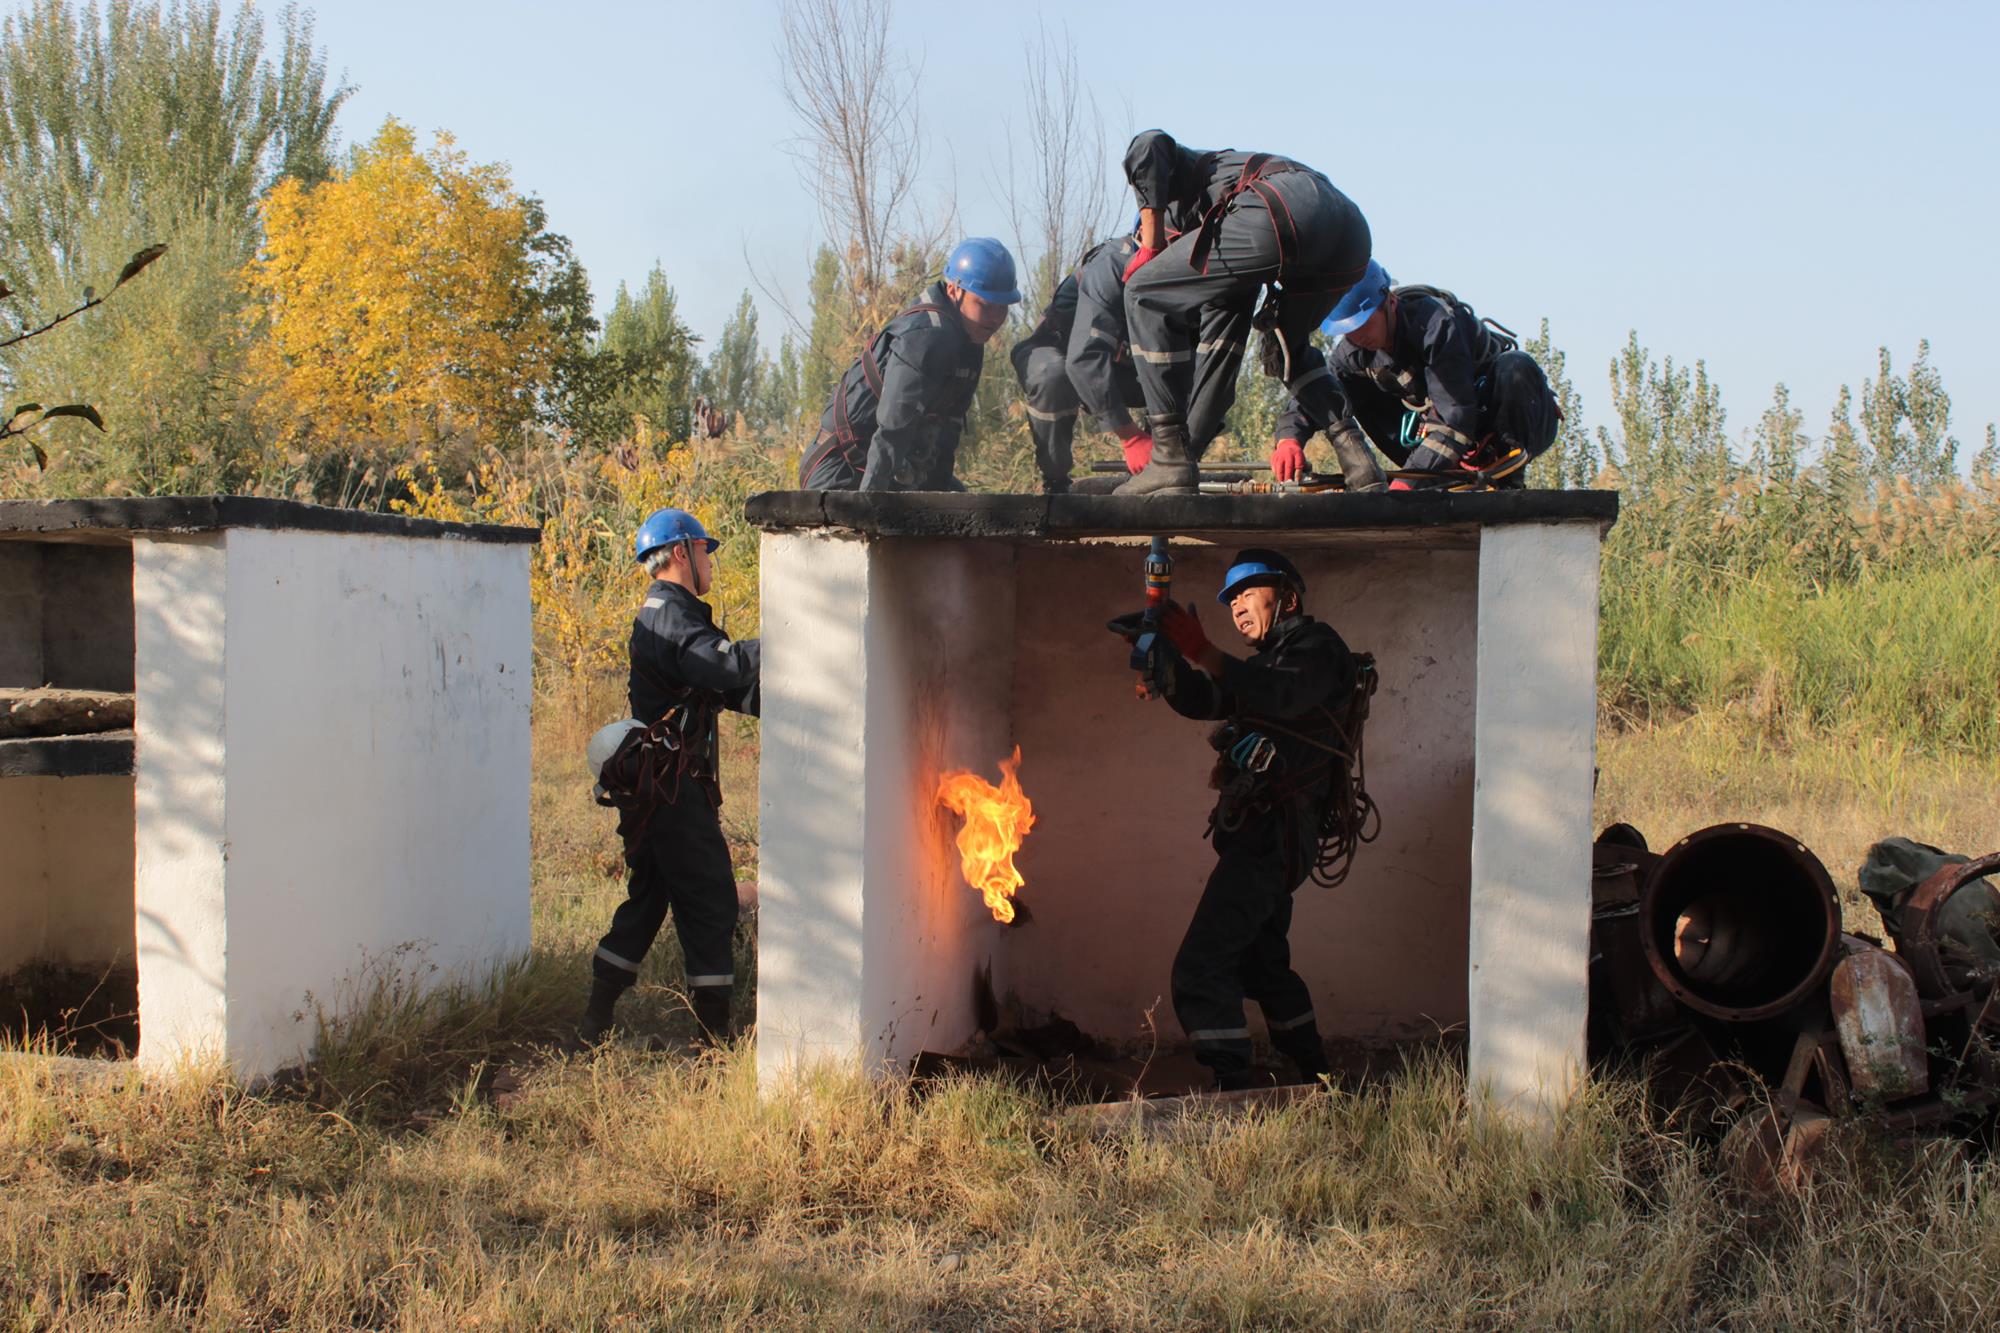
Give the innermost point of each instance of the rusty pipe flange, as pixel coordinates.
(1917, 942)
(1740, 922)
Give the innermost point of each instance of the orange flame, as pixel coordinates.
(996, 820)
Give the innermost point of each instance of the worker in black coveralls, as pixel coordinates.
(1078, 355)
(1246, 221)
(895, 417)
(681, 664)
(1433, 385)
(1276, 775)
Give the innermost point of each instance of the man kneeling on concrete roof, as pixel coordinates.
(1277, 754)
(896, 416)
(659, 767)
(1448, 395)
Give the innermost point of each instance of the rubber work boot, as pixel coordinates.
(597, 1014)
(1306, 1052)
(711, 1011)
(1357, 463)
(1172, 470)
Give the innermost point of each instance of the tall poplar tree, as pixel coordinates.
(124, 126)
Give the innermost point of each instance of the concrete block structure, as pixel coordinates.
(326, 777)
(907, 635)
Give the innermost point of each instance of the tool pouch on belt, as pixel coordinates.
(649, 766)
(1242, 772)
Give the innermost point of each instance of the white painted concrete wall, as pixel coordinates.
(938, 699)
(332, 777)
(812, 773)
(1536, 738)
(885, 665)
(66, 871)
(179, 591)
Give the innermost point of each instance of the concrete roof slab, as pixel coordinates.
(116, 519)
(1426, 515)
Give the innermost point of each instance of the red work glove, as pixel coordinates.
(1139, 261)
(1178, 623)
(1138, 449)
(1288, 460)
(1400, 485)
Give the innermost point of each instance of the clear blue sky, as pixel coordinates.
(1776, 187)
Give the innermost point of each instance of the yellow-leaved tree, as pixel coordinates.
(400, 308)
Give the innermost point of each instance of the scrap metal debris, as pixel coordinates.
(1723, 970)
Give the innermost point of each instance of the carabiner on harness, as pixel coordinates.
(1254, 753)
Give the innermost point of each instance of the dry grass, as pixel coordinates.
(634, 1190)
(640, 1188)
(1837, 794)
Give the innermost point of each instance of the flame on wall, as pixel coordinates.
(996, 819)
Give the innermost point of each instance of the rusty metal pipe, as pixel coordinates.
(1918, 940)
(1740, 922)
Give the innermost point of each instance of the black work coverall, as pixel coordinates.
(675, 850)
(1078, 355)
(1189, 309)
(1475, 400)
(905, 438)
(1265, 838)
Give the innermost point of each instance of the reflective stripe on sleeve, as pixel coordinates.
(1160, 358)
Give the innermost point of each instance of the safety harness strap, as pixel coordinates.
(871, 372)
(1257, 168)
(843, 438)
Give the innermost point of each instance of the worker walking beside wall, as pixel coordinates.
(663, 776)
(1277, 752)
(1247, 222)
(1079, 356)
(1434, 386)
(896, 415)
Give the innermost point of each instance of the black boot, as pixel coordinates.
(1357, 464)
(1305, 1050)
(1172, 470)
(597, 1014)
(1239, 1080)
(711, 1011)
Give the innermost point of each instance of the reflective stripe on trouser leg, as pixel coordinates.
(680, 862)
(1163, 305)
(1287, 1024)
(1055, 435)
(1235, 946)
(605, 955)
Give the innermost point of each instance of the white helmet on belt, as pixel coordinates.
(605, 742)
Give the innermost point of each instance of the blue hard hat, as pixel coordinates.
(665, 527)
(983, 267)
(1359, 303)
(1259, 564)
